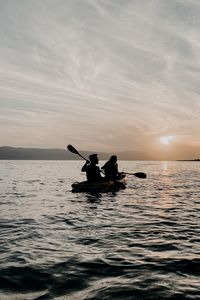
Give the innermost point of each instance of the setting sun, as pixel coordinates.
(167, 139)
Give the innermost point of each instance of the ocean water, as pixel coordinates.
(139, 243)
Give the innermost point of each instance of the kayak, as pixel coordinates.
(96, 187)
(105, 186)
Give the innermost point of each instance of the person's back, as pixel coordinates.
(93, 172)
(111, 168)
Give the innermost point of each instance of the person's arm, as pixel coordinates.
(104, 166)
(117, 171)
(99, 171)
(84, 168)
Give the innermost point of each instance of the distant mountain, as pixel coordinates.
(9, 153)
(35, 154)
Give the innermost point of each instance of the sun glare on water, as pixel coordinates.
(167, 139)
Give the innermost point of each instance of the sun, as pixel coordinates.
(167, 139)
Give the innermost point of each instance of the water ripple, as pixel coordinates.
(139, 243)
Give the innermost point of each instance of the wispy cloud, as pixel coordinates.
(105, 75)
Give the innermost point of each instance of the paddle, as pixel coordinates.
(73, 150)
(138, 174)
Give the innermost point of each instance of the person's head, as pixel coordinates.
(94, 159)
(113, 159)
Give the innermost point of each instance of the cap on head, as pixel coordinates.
(93, 158)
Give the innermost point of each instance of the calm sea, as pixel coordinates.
(139, 243)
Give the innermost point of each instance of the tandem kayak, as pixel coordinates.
(105, 186)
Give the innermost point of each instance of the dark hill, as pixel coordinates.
(9, 153)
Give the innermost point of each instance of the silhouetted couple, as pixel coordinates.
(93, 173)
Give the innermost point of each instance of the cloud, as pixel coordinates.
(107, 75)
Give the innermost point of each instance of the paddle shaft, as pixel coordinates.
(82, 156)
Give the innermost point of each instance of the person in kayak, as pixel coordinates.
(93, 173)
(111, 169)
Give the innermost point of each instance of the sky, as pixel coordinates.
(102, 75)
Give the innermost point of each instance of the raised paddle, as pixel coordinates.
(138, 174)
(73, 150)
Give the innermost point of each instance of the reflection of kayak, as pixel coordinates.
(106, 186)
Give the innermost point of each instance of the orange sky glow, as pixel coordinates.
(101, 75)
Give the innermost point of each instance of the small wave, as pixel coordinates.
(87, 241)
(185, 266)
(23, 279)
(177, 266)
(31, 181)
(158, 247)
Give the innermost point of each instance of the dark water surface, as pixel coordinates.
(139, 243)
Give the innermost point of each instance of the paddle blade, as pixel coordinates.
(140, 175)
(72, 149)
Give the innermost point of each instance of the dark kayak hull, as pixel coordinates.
(107, 186)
